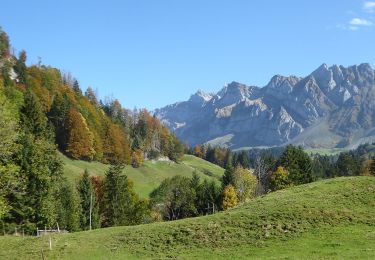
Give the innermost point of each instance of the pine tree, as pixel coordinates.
(58, 115)
(298, 164)
(41, 170)
(76, 87)
(228, 178)
(9, 171)
(120, 202)
(68, 208)
(33, 117)
(20, 67)
(88, 203)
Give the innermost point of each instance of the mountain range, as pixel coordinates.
(333, 107)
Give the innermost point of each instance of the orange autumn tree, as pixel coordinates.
(80, 138)
(116, 145)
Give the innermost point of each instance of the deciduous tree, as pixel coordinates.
(230, 199)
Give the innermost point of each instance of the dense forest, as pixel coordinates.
(43, 111)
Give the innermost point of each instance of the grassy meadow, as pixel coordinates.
(329, 219)
(150, 175)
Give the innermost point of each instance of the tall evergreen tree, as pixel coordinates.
(68, 208)
(298, 163)
(33, 117)
(228, 177)
(20, 67)
(9, 182)
(76, 87)
(41, 169)
(88, 203)
(122, 205)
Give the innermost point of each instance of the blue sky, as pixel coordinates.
(153, 53)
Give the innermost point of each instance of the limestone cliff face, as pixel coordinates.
(331, 107)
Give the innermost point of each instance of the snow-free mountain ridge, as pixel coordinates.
(332, 107)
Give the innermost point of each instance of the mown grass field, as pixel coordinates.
(330, 219)
(150, 175)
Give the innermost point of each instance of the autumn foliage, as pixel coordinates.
(80, 139)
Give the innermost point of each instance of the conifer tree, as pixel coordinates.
(122, 205)
(88, 203)
(20, 67)
(33, 117)
(76, 87)
(68, 209)
(9, 135)
(228, 178)
(298, 164)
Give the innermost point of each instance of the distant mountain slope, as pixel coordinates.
(332, 107)
(330, 219)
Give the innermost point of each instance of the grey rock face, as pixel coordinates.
(332, 103)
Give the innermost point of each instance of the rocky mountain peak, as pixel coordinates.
(329, 107)
(201, 97)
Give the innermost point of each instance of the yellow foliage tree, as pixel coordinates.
(116, 145)
(280, 179)
(229, 197)
(137, 158)
(80, 139)
(245, 184)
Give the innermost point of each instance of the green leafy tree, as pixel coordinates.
(208, 197)
(174, 198)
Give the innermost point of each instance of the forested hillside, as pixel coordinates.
(43, 110)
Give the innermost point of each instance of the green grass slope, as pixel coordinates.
(331, 219)
(149, 176)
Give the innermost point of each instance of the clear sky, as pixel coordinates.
(156, 52)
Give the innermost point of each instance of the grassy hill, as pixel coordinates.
(149, 176)
(332, 219)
